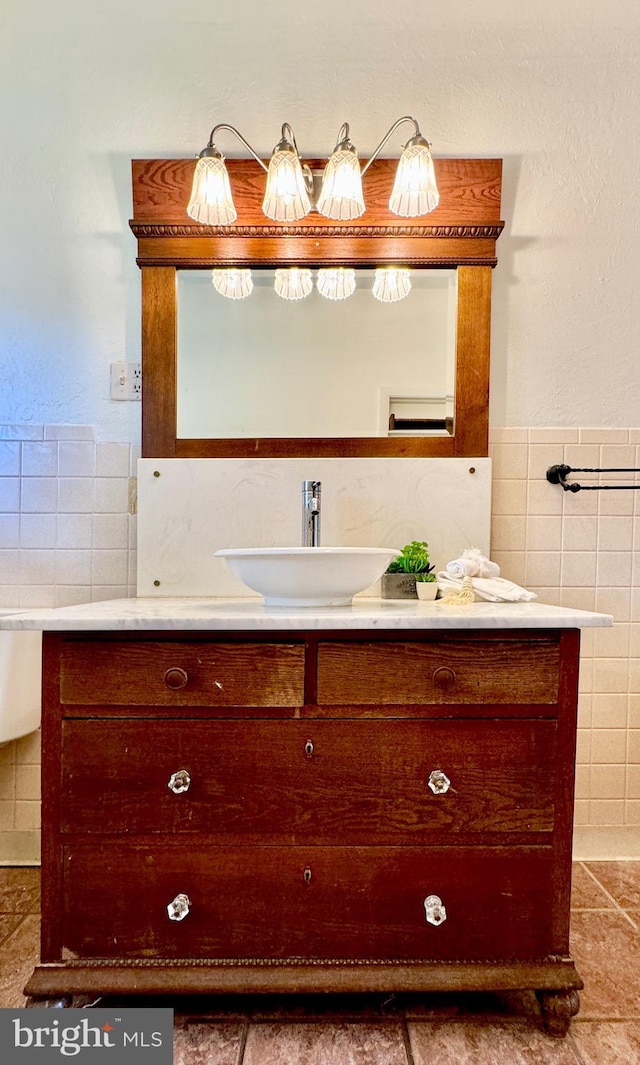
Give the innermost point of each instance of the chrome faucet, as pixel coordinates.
(311, 513)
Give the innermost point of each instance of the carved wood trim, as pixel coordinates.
(304, 963)
(205, 975)
(145, 229)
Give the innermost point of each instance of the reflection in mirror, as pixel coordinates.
(264, 366)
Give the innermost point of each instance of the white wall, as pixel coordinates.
(552, 87)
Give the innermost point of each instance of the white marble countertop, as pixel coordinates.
(252, 615)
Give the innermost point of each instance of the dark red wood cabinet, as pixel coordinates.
(340, 811)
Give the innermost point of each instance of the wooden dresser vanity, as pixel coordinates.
(353, 808)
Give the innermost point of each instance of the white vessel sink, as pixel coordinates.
(308, 576)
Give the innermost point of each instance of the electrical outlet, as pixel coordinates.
(137, 380)
(126, 380)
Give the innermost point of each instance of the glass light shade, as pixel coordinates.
(391, 283)
(211, 202)
(414, 190)
(286, 198)
(341, 194)
(336, 283)
(293, 283)
(233, 283)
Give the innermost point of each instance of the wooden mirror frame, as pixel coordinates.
(460, 233)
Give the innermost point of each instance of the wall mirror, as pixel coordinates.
(269, 377)
(264, 366)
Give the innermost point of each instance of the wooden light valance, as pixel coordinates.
(463, 228)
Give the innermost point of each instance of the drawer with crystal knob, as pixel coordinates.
(198, 673)
(320, 902)
(289, 782)
(493, 672)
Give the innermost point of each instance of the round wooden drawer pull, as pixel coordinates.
(443, 677)
(176, 678)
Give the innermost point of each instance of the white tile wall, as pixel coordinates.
(583, 550)
(66, 536)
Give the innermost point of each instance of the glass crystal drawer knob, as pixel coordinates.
(176, 678)
(179, 782)
(438, 782)
(434, 910)
(179, 908)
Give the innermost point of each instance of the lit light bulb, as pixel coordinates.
(341, 195)
(415, 191)
(211, 202)
(286, 198)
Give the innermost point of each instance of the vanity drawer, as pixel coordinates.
(491, 672)
(313, 902)
(393, 782)
(181, 673)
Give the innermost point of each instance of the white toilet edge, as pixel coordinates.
(20, 681)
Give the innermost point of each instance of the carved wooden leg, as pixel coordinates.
(558, 1007)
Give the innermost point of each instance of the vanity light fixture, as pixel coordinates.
(286, 197)
(415, 191)
(336, 282)
(288, 194)
(293, 283)
(211, 202)
(341, 195)
(235, 284)
(391, 283)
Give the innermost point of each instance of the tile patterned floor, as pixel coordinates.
(401, 1030)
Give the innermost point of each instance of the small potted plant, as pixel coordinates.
(426, 585)
(410, 568)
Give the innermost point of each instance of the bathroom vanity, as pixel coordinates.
(371, 798)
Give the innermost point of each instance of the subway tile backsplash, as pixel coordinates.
(67, 536)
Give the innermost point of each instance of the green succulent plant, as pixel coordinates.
(414, 558)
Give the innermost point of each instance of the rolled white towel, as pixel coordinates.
(462, 567)
(487, 568)
(472, 563)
